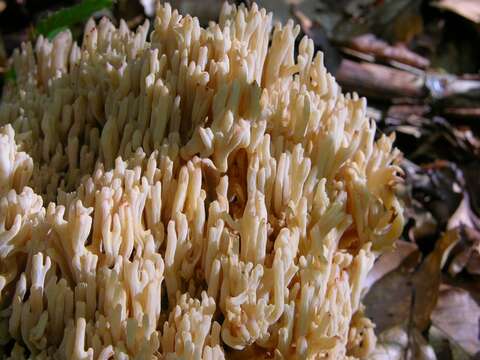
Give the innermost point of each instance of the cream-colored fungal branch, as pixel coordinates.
(188, 194)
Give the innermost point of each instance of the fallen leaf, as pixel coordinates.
(389, 301)
(428, 278)
(405, 297)
(390, 260)
(458, 316)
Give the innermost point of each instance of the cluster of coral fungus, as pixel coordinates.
(203, 192)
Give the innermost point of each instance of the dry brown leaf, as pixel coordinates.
(390, 260)
(458, 316)
(427, 279)
(389, 301)
(407, 298)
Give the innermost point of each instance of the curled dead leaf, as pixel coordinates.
(428, 277)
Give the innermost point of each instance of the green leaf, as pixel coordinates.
(11, 75)
(67, 17)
